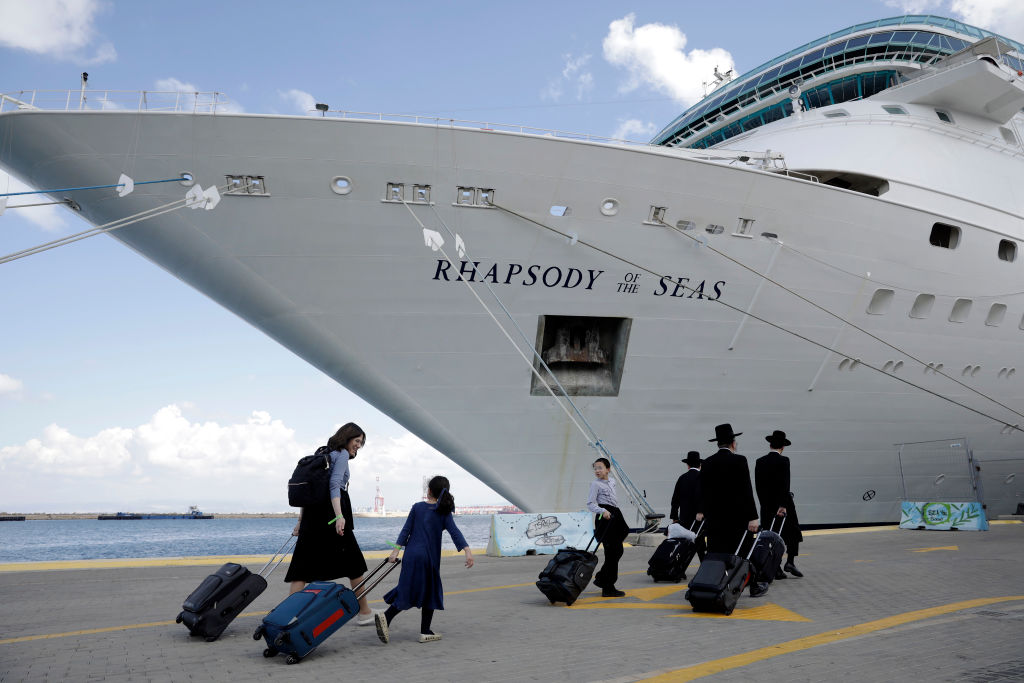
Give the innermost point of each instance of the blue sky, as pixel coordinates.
(122, 388)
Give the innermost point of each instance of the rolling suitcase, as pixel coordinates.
(766, 555)
(307, 618)
(567, 574)
(672, 557)
(719, 581)
(223, 595)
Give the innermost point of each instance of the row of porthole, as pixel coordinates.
(934, 368)
(923, 304)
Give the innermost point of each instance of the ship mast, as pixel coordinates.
(378, 500)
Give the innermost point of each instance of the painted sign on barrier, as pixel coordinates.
(943, 516)
(541, 534)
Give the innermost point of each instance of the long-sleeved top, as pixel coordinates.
(602, 491)
(339, 473)
(686, 497)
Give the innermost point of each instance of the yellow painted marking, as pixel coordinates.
(736, 661)
(938, 547)
(769, 611)
(855, 561)
(1005, 521)
(84, 632)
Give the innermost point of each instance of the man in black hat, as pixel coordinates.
(771, 477)
(727, 499)
(686, 499)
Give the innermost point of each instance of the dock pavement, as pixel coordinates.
(875, 604)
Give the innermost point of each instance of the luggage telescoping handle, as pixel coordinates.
(744, 538)
(282, 552)
(771, 527)
(373, 584)
(699, 528)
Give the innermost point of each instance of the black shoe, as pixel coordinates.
(791, 568)
(758, 589)
(612, 592)
(779, 574)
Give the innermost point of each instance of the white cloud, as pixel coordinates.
(49, 218)
(574, 76)
(1005, 17)
(631, 129)
(184, 91)
(173, 460)
(655, 55)
(9, 385)
(303, 102)
(58, 28)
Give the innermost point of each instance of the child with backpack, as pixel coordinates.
(419, 584)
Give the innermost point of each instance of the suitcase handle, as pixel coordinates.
(699, 528)
(373, 584)
(282, 552)
(752, 545)
(771, 527)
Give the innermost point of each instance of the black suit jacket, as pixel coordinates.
(771, 478)
(727, 499)
(686, 497)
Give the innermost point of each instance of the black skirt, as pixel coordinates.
(320, 553)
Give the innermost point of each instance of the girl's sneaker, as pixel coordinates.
(429, 637)
(382, 626)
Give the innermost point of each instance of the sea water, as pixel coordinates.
(91, 539)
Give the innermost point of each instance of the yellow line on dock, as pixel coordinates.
(716, 666)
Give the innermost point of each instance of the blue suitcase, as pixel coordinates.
(309, 617)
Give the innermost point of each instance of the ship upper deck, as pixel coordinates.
(854, 63)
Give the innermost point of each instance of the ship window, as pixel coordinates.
(944, 116)
(714, 229)
(961, 309)
(894, 109)
(922, 306)
(560, 210)
(1008, 135)
(341, 185)
(586, 354)
(685, 225)
(945, 236)
(996, 315)
(1007, 250)
(881, 301)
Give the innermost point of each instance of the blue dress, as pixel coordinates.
(419, 584)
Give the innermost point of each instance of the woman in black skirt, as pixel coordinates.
(327, 548)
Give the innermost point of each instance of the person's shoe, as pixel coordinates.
(758, 589)
(612, 592)
(791, 568)
(779, 574)
(382, 626)
(429, 637)
(366, 619)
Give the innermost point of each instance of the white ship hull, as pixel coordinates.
(346, 282)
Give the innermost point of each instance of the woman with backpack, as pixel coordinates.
(326, 548)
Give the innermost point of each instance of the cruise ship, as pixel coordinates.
(828, 245)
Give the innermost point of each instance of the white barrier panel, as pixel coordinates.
(944, 516)
(541, 534)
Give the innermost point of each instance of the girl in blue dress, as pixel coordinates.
(419, 584)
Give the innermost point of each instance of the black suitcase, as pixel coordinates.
(766, 555)
(719, 581)
(672, 557)
(567, 574)
(223, 595)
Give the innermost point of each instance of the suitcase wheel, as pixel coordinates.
(258, 633)
(279, 641)
(270, 652)
(291, 659)
(177, 619)
(210, 639)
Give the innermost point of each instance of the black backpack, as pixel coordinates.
(311, 481)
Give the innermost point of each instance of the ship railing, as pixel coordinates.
(117, 100)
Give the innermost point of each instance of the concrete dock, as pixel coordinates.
(877, 604)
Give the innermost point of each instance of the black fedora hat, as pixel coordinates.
(724, 434)
(692, 458)
(777, 439)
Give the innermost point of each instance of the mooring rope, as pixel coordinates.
(90, 187)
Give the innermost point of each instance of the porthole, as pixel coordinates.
(341, 184)
(610, 207)
(922, 306)
(961, 309)
(187, 179)
(945, 236)
(1007, 250)
(996, 315)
